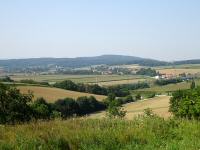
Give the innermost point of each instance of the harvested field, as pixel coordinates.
(53, 94)
(179, 71)
(159, 105)
(100, 79)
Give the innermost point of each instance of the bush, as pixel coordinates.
(6, 79)
(147, 71)
(89, 105)
(14, 106)
(168, 81)
(67, 107)
(138, 97)
(67, 85)
(114, 109)
(41, 109)
(186, 103)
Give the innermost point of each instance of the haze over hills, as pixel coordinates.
(80, 61)
(88, 61)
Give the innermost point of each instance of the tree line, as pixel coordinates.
(148, 72)
(118, 90)
(16, 107)
(168, 81)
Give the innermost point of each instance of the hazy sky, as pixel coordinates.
(160, 29)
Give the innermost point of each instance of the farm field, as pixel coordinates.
(178, 71)
(101, 79)
(118, 82)
(159, 105)
(53, 94)
(184, 66)
(169, 87)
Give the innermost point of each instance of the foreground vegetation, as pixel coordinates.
(149, 132)
(19, 108)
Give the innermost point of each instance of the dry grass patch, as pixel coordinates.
(178, 71)
(159, 105)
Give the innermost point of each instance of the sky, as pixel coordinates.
(158, 29)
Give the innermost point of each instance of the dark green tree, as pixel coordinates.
(186, 103)
(138, 97)
(14, 106)
(67, 107)
(41, 109)
(114, 108)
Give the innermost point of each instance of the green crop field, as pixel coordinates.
(100, 79)
(169, 87)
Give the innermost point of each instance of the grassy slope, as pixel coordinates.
(148, 133)
(170, 87)
(159, 105)
(53, 94)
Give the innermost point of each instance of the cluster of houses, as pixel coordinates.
(2, 71)
(165, 76)
(174, 76)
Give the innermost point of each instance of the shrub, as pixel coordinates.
(114, 109)
(168, 81)
(41, 109)
(147, 71)
(89, 105)
(138, 97)
(14, 105)
(67, 107)
(6, 79)
(67, 85)
(186, 103)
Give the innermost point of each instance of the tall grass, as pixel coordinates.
(143, 133)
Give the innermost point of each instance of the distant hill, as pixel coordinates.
(79, 61)
(193, 61)
(88, 61)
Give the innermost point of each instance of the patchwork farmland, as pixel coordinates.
(53, 94)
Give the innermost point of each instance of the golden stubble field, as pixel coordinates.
(178, 71)
(159, 105)
(53, 94)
